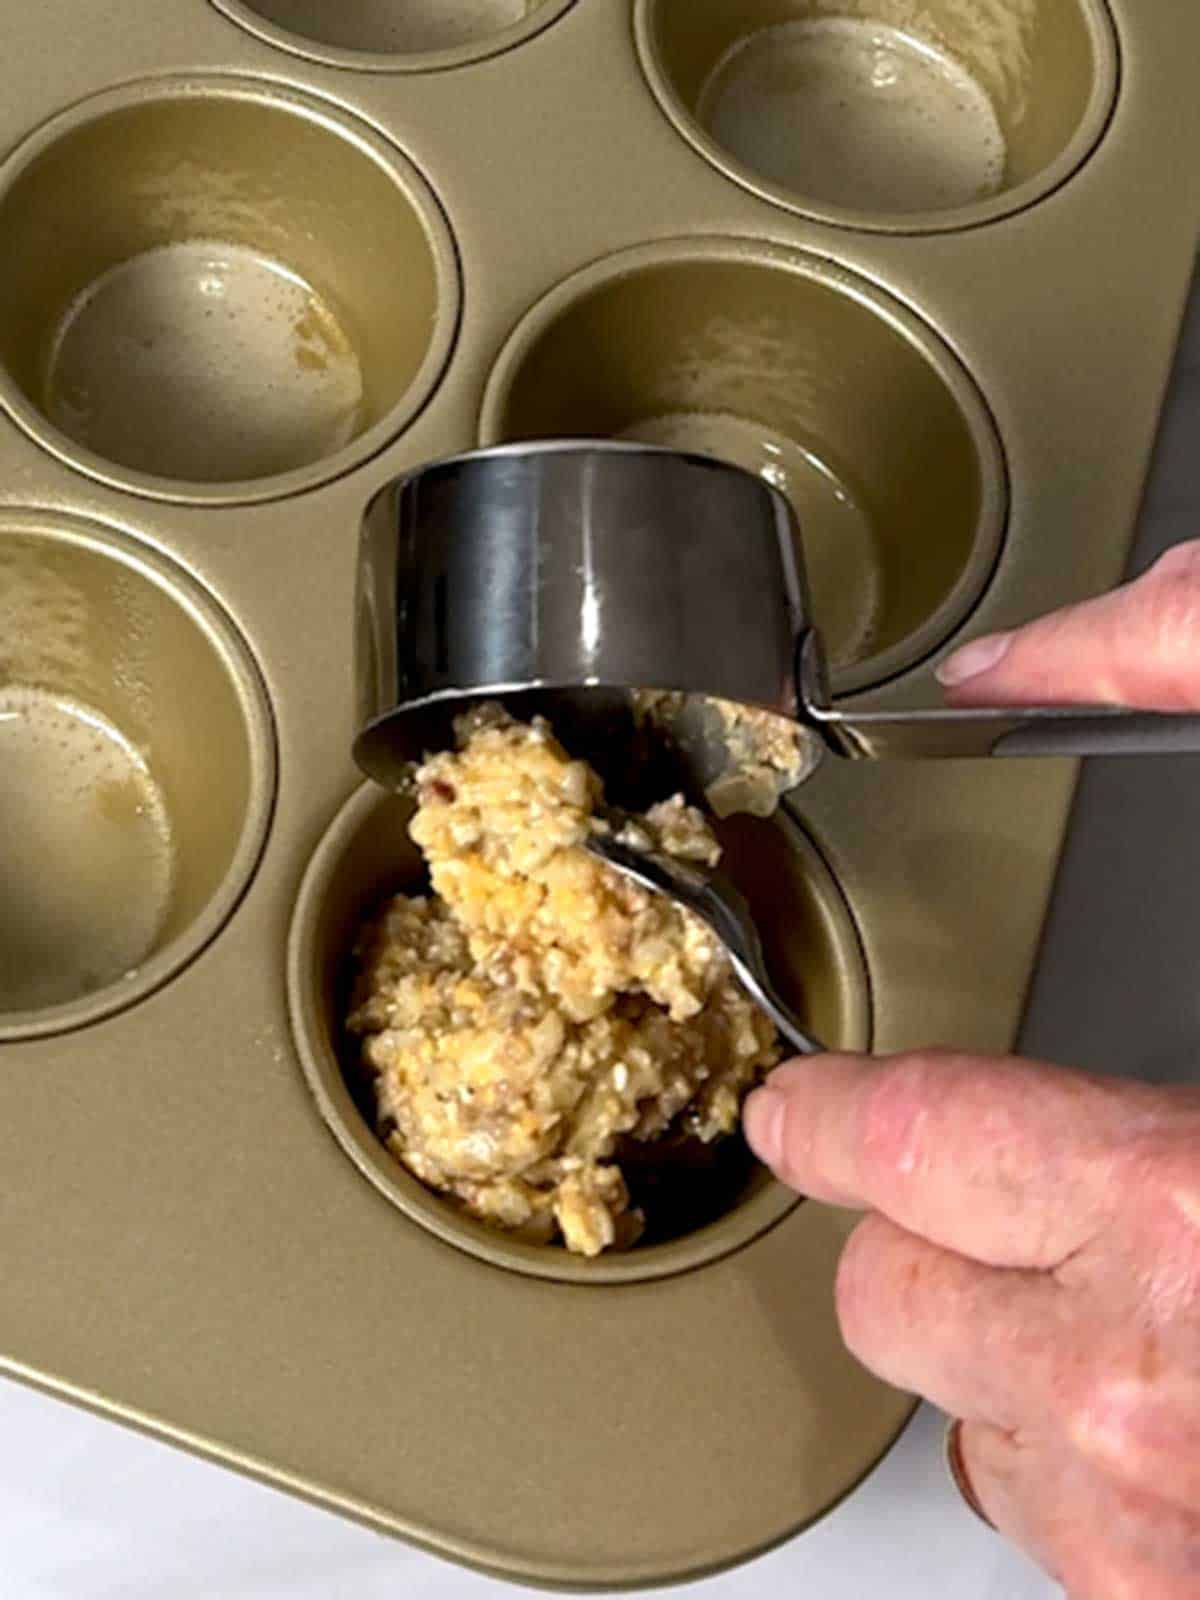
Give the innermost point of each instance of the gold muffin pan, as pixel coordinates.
(259, 259)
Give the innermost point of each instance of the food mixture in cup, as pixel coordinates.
(538, 1009)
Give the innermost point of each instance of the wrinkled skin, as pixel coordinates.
(1030, 1257)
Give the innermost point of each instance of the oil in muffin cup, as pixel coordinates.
(386, 36)
(702, 1204)
(807, 374)
(882, 115)
(137, 771)
(219, 290)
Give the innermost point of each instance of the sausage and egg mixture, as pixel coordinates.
(537, 1009)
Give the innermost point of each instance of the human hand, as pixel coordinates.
(1031, 1264)
(1031, 1261)
(1137, 646)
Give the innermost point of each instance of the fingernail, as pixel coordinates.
(762, 1122)
(981, 655)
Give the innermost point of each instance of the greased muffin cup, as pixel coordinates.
(262, 257)
(139, 770)
(217, 292)
(379, 36)
(883, 114)
(366, 856)
(798, 370)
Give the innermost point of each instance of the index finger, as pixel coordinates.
(1138, 645)
(1013, 1163)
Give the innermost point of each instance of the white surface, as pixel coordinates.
(89, 1511)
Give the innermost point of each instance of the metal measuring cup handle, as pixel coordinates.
(949, 733)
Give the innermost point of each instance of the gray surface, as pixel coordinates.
(1118, 986)
(91, 1512)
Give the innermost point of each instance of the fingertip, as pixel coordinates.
(807, 1072)
(973, 660)
(763, 1118)
(792, 1075)
(778, 1117)
(782, 1120)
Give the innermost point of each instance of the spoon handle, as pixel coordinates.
(755, 981)
(712, 897)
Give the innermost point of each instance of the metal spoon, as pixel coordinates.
(721, 907)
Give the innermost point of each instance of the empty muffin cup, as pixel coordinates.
(395, 35)
(218, 290)
(876, 113)
(701, 1202)
(136, 771)
(807, 374)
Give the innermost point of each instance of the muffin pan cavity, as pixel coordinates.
(883, 113)
(218, 291)
(136, 771)
(807, 374)
(701, 1203)
(395, 35)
